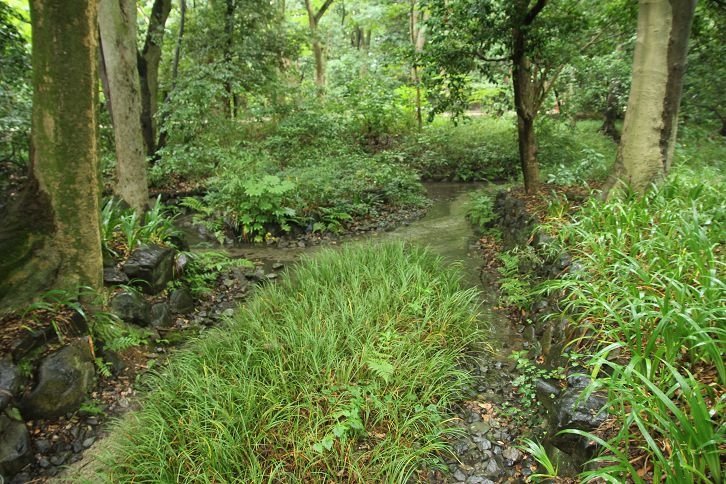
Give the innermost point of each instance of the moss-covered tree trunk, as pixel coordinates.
(649, 131)
(117, 26)
(148, 65)
(51, 238)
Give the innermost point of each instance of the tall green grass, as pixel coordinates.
(650, 302)
(344, 371)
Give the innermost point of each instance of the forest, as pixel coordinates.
(362, 241)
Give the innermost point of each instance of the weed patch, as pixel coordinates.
(346, 368)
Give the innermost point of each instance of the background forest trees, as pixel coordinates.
(317, 108)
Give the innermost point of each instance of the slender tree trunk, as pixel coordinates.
(418, 39)
(148, 66)
(649, 131)
(526, 107)
(610, 115)
(317, 44)
(319, 57)
(51, 239)
(117, 25)
(163, 134)
(104, 80)
(230, 105)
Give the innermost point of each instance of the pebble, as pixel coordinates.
(60, 459)
(42, 445)
(88, 442)
(512, 454)
(459, 475)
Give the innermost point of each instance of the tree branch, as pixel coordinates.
(323, 9)
(482, 57)
(532, 14)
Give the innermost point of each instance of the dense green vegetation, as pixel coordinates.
(648, 299)
(346, 368)
(304, 120)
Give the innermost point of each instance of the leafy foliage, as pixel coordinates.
(122, 230)
(15, 89)
(205, 268)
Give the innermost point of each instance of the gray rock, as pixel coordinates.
(459, 475)
(88, 442)
(512, 455)
(132, 308)
(228, 313)
(277, 266)
(181, 301)
(14, 446)
(482, 443)
(578, 378)
(492, 469)
(64, 379)
(60, 458)
(160, 315)
(42, 445)
(9, 382)
(546, 392)
(153, 266)
(114, 277)
(573, 410)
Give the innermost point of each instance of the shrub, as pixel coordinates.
(346, 369)
(476, 150)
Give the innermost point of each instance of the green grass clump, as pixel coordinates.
(345, 370)
(650, 300)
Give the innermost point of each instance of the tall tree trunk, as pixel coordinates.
(649, 131)
(610, 115)
(525, 105)
(418, 39)
(317, 44)
(229, 104)
(148, 65)
(163, 134)
(319, 58)
(52, 237)
(117, 25)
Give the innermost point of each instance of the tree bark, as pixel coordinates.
(148, 65)
(52, 237)
(418, 40)
(649, 131)
(524, 103)
(229, 102)
(117, 26)
(610, 116)
(526, 99)
(163, 134)
(317, 44)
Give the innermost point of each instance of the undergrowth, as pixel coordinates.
(650, 302)
(346, 368)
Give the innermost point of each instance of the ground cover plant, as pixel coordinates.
(346, 368)
(650, 303)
